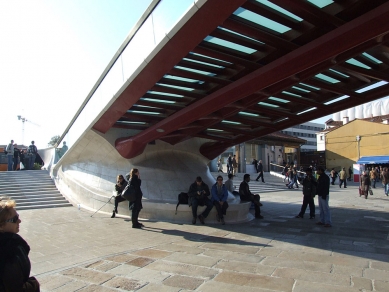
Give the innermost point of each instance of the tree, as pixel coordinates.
(54, 140)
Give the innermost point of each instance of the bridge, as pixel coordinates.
(178, 94)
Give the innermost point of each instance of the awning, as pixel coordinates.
(373, 160)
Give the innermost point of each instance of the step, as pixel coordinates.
(44, 206)
(20, 200)
(40, 202)
(36, 194)
(27, 187)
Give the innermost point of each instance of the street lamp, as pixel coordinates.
(358, 141)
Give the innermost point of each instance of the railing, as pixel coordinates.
(149, 31)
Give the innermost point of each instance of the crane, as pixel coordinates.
(24, 119)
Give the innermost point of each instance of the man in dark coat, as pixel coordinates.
(260, 171)
(309, 191)
(246, 195)
(323, 192)
(198, 196)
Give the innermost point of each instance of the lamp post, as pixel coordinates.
(358, 144)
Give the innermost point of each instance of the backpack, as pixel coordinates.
(183, 198)
(32, 149)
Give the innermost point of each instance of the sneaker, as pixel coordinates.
(223, 223)
(201, 218)
(319, 223)
(298, 216)
(194, 220)
(137, 226)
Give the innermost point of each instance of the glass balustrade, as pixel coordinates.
(154, 29)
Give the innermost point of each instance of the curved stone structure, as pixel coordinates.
(87, 174)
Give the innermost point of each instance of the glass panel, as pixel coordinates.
(279, 9)
(321, 3)
(372, 58)
(327, 78)
(354, 62)
(261, 20)
(229, 45)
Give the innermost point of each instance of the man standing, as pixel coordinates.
(342, 178)
(246, 195)
(10, 155)
(219, 196)
(373, 176)
(309, 192)
(333, 174)
(323, 192)
(385, 180)
(234, 165)
(198, 196)
(229, 164)
(16, 156)
(260, 171)
(32, 151)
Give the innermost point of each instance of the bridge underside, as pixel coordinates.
(238, 70)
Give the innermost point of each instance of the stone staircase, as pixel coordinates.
(31, 189)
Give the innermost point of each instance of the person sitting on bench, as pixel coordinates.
(219, 198)
(198, 196)
(246, 195)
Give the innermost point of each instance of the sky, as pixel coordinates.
(52, 53)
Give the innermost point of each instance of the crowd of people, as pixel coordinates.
(22, 158)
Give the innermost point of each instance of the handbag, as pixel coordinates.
(129, 193)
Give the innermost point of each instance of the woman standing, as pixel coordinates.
(134, 180)
(15, 265)
(119, 187)
(365, 184)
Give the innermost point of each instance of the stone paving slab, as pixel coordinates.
(72, 251)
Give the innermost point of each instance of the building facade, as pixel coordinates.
(347, 143)
(306, 131)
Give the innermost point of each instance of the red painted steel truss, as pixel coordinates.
(229, 78)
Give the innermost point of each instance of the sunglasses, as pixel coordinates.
(14, 219)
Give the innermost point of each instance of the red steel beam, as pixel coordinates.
(362, 29)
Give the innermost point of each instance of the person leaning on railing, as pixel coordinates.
(15, 265)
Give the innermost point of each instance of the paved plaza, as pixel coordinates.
(72, 251)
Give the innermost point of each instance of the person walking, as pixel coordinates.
(309, 192)
(333, 175)
(121, 183)
(234, 165)
(342, 178)
(365, 184)
(16, 156)
(32, 152)
(373, 177)
(133, 178)
(15, 266)
(323, 192)
(385, 180)
(219, 196)
(220, 166)
(260, 171)
(10, 155)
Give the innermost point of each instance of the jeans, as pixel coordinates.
(260, 175)
(292, 182)
(10, 162)
(386, 186)
(31, 161)
(341, 181)
(221, 210)
(308, 200)
(16, 162)
(325, 214)
(253, 199)
(373, 182)
(195, 203)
